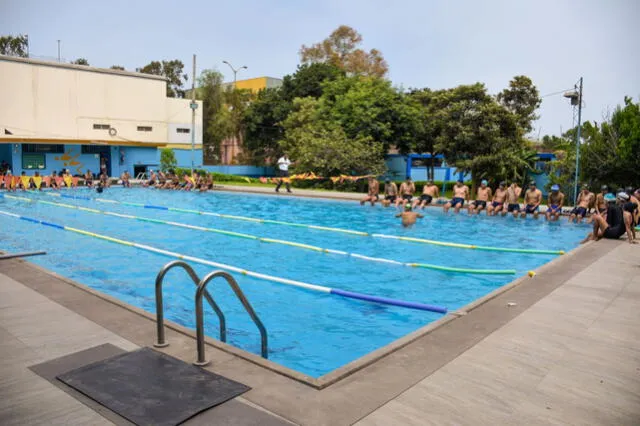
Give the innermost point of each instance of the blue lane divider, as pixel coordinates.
(265, 277)
(388, 301)
(149, 206)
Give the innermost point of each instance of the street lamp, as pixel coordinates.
(575, 96)
(235, 71)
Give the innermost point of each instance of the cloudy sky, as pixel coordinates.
(434, 44)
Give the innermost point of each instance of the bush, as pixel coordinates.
(167, 159)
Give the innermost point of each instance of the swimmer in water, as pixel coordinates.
(408, 216)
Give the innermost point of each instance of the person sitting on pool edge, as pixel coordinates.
(409, 217)
(532, 200)
(373, 192)
(407, 189)
(614, 223)
(584, 202)
(390, 192)
(429, 192)
(460, 193)
(483, 195)
(513, 200)
(499, 198)
(555, 202)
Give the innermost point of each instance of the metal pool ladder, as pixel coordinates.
(200, 292)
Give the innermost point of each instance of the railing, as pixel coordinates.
(200, 292)
(161, 342)
(200, 314)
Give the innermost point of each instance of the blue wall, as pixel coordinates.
(397, 169)
(71, 159)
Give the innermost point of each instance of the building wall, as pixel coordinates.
(52, 101)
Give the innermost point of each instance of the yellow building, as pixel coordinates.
(257, 84)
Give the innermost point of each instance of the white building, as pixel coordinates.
(55, 115)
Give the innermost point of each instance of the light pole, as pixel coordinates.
(235, 71)
(58, 50)
(193, 105)
(575, 96)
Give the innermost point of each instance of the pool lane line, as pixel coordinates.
(469, 246)
(265, 277)
(204, 213)
(273, 240)
(324, 228)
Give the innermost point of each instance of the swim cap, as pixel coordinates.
(609, 198)
(484, 182)
(532, 183)
(629, 190)
(555, 187)
(603, 188)
(503, 183)
(407, 206)
(460, 181)
(387, 180)
(623, 196)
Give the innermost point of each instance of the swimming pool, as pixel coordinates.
(313, 333)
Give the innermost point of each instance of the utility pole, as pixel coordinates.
(27, 38)
(575, 200)
(58, 50)
(194, 106)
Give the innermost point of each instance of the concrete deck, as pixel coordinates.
(567, 353)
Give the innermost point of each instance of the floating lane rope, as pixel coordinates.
(204, 213)
(265, 277)
(322, 228)
(271, 240)
(468, 246)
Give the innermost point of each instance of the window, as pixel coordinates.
(33, 161)
(101, 127)
(145, 128)
(94, 149)
(42, 148)
(183, 130)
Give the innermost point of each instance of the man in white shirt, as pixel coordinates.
(283, 172)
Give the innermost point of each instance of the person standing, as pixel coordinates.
(283, 172)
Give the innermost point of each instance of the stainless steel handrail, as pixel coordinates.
(161, 342)
(200, 314)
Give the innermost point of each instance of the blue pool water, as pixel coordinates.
(310, 332)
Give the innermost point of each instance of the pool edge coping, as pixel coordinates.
(342, 372)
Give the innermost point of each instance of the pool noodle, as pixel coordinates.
(313, 287)
(323, 228)
(270, 240)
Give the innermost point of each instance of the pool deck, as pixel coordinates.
(562, 347)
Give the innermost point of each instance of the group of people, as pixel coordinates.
(618, 212)
(23, 182)
(170, 180)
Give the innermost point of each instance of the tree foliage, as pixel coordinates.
(117, 67)
(172, 71)
(342, 50)
(476, 134)
(14, 45)
(321, 146)
(215, 115)
(609, 151)
(368, 107)
(264, 116)
(522, 99)
(81, 61)
(167, 159)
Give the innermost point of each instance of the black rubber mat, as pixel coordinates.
(150, 388)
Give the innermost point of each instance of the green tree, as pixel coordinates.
(81, 61)
(322, 147)
(475, 133)
(167, 159)
(367, 107)
(14, 45)
(173, 71)
(522, 99)
(262, 120)
(215, 114)
(341, 49)
(117, 67)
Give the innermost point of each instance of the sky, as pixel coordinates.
(435, 44)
